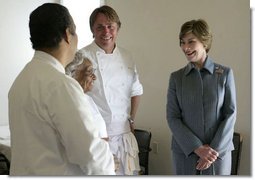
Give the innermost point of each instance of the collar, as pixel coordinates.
(99, 49)
(48, 59)
(209, 66)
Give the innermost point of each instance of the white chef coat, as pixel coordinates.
(51, 126)
(117, 81)
(99, 121)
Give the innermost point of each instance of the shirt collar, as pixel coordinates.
(209, 66)
(47, 58)
(99, 49)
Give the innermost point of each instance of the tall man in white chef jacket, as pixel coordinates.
(117, 89)
(52, 130)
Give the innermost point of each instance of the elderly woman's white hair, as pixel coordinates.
(70, 68)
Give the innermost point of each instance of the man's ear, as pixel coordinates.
(68, 36)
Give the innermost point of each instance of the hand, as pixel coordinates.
(202, 164)
(132, 127)
(106, 138)
(207, 153)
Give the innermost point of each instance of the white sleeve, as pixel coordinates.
(137, 88)
(98, 118)
(71, 115)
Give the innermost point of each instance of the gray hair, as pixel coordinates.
(71, 67)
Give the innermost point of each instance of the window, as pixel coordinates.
(80, 11)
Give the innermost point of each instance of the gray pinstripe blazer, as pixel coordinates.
(201, 108)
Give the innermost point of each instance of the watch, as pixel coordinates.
(131, 121)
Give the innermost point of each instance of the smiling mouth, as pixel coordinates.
(190, 53)
(106, 38)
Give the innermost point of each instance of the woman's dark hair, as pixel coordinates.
(200, 29)
(48, 24)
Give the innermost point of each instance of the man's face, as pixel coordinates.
(105, 33)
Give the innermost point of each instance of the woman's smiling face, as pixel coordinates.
(89, 76)
(193, 49)
(85, 75)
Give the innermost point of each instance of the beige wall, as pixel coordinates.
(150, 31)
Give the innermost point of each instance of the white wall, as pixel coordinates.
(15, 46)
(150, 31)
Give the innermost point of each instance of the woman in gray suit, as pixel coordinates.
(201, 107)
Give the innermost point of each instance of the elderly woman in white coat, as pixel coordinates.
(201, 107)
(84, 73)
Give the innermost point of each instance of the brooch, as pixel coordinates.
(219, 70)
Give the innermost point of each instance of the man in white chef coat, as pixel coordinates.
(52, 130)
(117, 89)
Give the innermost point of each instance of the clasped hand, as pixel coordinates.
(207, 156)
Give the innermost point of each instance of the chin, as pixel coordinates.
(192, 60)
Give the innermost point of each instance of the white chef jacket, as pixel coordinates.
(52, 130)
(99, 121)
(117, 81)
